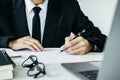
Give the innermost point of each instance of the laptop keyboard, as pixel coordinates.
(91, 75)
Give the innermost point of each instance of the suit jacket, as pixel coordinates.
(63, 17)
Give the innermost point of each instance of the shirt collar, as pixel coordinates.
(30, 5)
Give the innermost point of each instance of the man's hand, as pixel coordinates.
(25, 43)
(77, 46)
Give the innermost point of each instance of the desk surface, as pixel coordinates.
(57, 72)
(54, 70)
(53, 55)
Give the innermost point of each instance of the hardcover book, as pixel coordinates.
(6, 66)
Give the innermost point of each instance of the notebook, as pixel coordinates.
(110, 68)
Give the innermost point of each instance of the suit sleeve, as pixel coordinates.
(92, 33)
(4, 41)
(5, 30)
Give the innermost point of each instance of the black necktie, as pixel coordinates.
(36, 29)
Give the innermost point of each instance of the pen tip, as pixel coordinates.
(61, 50)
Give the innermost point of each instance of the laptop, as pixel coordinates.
(110, 66)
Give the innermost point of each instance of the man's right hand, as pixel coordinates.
(26, 43)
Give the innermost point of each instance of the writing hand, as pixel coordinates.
(25, 43)
(76, 46)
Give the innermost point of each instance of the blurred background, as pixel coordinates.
(101, 12)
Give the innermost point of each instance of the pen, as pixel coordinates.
(16, 57)
(77, 35)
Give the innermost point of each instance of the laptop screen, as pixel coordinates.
(110, 69)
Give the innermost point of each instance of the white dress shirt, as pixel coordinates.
(29, 5)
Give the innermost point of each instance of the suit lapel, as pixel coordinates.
(20, 19)
(52, 20)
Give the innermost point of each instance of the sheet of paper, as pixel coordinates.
(53, 55)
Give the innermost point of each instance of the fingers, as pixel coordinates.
(33, 42)
(69, 42)
(77, 46)
(26, 46)
(26, 42)
(67, 39)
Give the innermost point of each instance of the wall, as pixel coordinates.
(101, 12)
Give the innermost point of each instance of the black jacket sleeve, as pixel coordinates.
(74, 20)
(92, 33)
(5, 31)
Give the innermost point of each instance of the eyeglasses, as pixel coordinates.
(35, 68)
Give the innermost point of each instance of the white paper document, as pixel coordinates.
(53, 55)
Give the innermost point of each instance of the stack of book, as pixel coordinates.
(6, 66)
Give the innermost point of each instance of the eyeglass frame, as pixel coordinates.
(34, 64)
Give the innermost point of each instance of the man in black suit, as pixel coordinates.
(58, 18)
